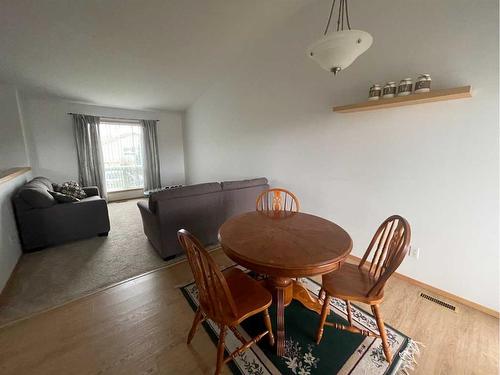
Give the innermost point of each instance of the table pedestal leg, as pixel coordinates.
(284, 290)
(280, 284)
(301, 294)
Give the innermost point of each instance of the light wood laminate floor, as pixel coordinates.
(140, 327)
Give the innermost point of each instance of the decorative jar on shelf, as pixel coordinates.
(423, 83)
(405, 87)
(375, 92)
(389, 90)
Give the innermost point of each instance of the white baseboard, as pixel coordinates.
(125, 194)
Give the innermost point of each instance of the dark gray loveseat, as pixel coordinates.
(43, 222)
(201, 209)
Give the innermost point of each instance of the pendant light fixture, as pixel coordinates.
(337, 50)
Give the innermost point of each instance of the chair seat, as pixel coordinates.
(249, 296)
(351, 283)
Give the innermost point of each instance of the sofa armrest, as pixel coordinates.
(150, 225)
(144, 210)
(91, 191)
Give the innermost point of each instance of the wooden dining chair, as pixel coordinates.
(365, 283)
(277, 199)
(227, 298)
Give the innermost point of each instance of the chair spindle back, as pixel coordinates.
(274, 200)
(390, 244)
(214, 295)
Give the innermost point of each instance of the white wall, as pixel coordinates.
(52, 146)
(12, 147)
(10, 246)
(12, 154)
(436, 164)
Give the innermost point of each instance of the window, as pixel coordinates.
(122, 155)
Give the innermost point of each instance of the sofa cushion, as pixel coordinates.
(230, 185)
(90, 199)
(183, 191)
(62, 198)
(239, 200)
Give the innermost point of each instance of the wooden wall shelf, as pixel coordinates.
(432, 96)
(12, 173)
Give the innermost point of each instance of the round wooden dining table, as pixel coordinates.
(284, 246)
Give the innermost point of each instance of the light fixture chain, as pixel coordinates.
(347, 15)
(343, 7)
(340, 14)
(329, 17)
(343, 13)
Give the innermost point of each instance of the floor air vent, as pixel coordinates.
(438, 301)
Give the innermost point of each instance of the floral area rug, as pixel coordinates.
(340, 352)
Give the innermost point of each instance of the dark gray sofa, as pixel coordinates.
(201, 209)
(43, 222)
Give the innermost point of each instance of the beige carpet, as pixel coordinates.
(59, 274)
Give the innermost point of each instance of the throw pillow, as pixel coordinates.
(70, 188)
(63, 198)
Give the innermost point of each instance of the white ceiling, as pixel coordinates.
(146, 54)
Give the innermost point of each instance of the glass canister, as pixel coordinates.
(375, 92)
(423, 83)
(405, 87)
(389, 90)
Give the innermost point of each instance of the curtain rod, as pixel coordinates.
(113, 117)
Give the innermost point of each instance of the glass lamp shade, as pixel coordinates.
(337, 50)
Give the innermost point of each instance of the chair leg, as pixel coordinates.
(349, 311)
(383, 333)
(220, 349)
(321, 294)
(324, 313)
(269, 327)
(197, 319)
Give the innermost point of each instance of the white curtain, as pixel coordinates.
(89, 152)
(151, 159)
